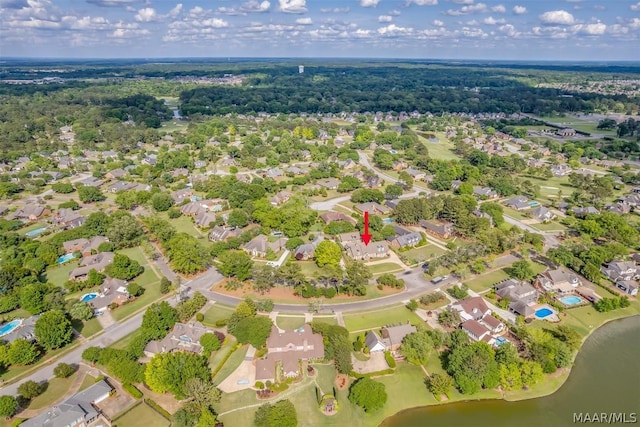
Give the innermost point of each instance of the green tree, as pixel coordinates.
(170, 372)
(21, 352)
(53, 330)
(187, 254)
(81, 311)
(92, 354)
(238, 218)
(165, 285)
(207, 418)
(127, 200)
(521, 270)
(510, 377)
(392, 191)
(417, 347)
(201, 393)
(341, 351)
(8, 406)
(123, 267)
(210, 342)
(236, 264)
(473, 367)
(30, 389)
(280, 414)
(368, 394)
(440, 384)
(125, 232)
(32, 297)
(253, 330)
(161, 202)
(62, 187)
(328, 253)
(90, 194)
(63, 370)
(531, 373)
(158, 319)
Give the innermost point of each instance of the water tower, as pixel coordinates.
(300, 69)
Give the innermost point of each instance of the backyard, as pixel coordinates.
(142, 416)
(379, 318)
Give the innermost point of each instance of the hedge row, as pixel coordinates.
(371, 374)
(159, 409)
(132, 390)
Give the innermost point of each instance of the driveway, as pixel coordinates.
(375, 363)
(245, 374)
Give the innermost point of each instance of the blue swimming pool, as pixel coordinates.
(36, 232)
(501, 341)
(7, 328)
(88, 297)
(571, 300)
(65, 258)
(541, 313)
(387, 221)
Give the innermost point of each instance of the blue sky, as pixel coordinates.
(449, 29)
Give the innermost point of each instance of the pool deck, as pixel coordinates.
(550, 318)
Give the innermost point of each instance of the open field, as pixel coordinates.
(142, 416)
(379, 318)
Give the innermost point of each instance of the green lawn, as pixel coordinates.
(216, 312)
(88, 381)
(59, 275)
(184, 224)
(549, 226)
(385, 267)
(135, 254)
(486, 281)
(289, 323)
(442, 149)
(379, 318)
(123, 342)
(56, 388)
(231, 364)
(328, 320)
(515, 214)
(219, 355)
(309, 268)
(151, 294)
(423, 253)
(142, 416)
(87, 328)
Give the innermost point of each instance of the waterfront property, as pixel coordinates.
(390, 337)
(546, 312)
(521, 296)
(559, 280)
(572, 300)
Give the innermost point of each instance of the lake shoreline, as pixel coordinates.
(564, 377)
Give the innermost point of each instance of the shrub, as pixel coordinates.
(199, 317)
(432, 298)
(188, 308)
(31, 389)
(220, 323)
(63, 370)
(132, 390)
(390, 360)
(260, 385)
(165, 285)
(159, 409)
(135, 289)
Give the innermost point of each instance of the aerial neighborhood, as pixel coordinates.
(183, 265)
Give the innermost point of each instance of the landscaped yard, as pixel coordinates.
(423, 253)
(59, 275)
(87, 328)
(309, 268)
(289, 323)
(184, 224)
(379, 318)
(385, 267)
(151, 294)
(142, 416)
(486, 281)
(56, 388)
(231, 364)
(549, 226)
(215, 313)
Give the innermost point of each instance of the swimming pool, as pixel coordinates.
(571, 300)
(7, 328)
(543, 312)
(88, 297)
(501, 341)
(35, 232)
(66, 257)
(387, 220)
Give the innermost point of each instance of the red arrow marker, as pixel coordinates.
(366, 237)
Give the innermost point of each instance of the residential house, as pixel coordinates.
(67, 218)
(85, 246)
(274, 173)
(473, 308)
(150, 160)
(228, 162)
(295, 170)
(31, 212)
(180, 172)
(618, 271)
(109, 154)
(359, 251)
(287, 349)
(628, 286)
(558, 280)
(116, 174)
(346, 238)
(91, 182)
(219, 233)
(406, 240)
(399, 165)
(560, 170)
(79, 410)
(280, 198)
(542, 214)
(521, 296)
(479, 214)
(441, 229)
(112, 291)
(26, 331)
(96, 262)
(394, 335)
(391, 204)
(330, 217)
(372, 208)
(307, 250)
(375, 343)
(373, 182)
(485, 193)
(566, 132)
(118, 186)
(518, 203)
(584, 211)
(183, 337)
(329, 184)
(199, 164)
(181, 195)
(619, 208)
(204, 218)
(476, 330)
(260, 244)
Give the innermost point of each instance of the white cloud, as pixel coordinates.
(635, 23)
(438, 23)
(148, 14)
(213, 23)
(509, 30)
(304, 21)
(591, 29)
(175, 11)
(499, 9)
(557, 17)
(394, 30)
(463, 1)
(110, 3)
(335, 10)
(394, 13)
(369, 3)
(385, 18)
(492, 21)
(635, 7)
(256, 6)
(232, 11)
(464, 10)
(293, 6)
(519, 10)
(422, 2)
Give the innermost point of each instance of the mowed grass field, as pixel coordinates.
(379, 318)
(142, 416)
